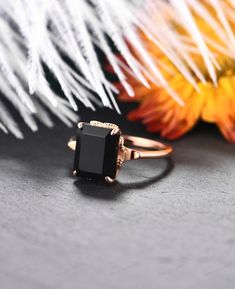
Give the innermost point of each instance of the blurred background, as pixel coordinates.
(165, 223)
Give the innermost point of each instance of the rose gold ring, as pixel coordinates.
(101, 149)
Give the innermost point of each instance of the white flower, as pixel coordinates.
(35, 34)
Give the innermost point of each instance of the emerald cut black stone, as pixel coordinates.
(96, 152)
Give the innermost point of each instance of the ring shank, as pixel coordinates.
(138, 147)
(147, 148)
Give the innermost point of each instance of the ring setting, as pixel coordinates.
(101, 149)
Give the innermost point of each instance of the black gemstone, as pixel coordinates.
(96, 152)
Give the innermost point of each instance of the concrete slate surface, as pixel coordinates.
(164, 225)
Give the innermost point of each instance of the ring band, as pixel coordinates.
(101, 149)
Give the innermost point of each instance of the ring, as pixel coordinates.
(101, 149)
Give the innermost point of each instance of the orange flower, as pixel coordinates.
(210, 103)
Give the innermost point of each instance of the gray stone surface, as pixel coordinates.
(163, 225)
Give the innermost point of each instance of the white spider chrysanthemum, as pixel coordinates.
(34, 33)
(56, 33)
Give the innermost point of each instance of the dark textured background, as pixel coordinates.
(163, 225)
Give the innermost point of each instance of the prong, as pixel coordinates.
(109, 180)
(80, 125)
(121, 141)
(115, 131)
(75, 173)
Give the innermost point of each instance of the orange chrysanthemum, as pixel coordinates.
(210, 103)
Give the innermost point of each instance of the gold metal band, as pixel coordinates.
(137, 147)
(146, 148)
